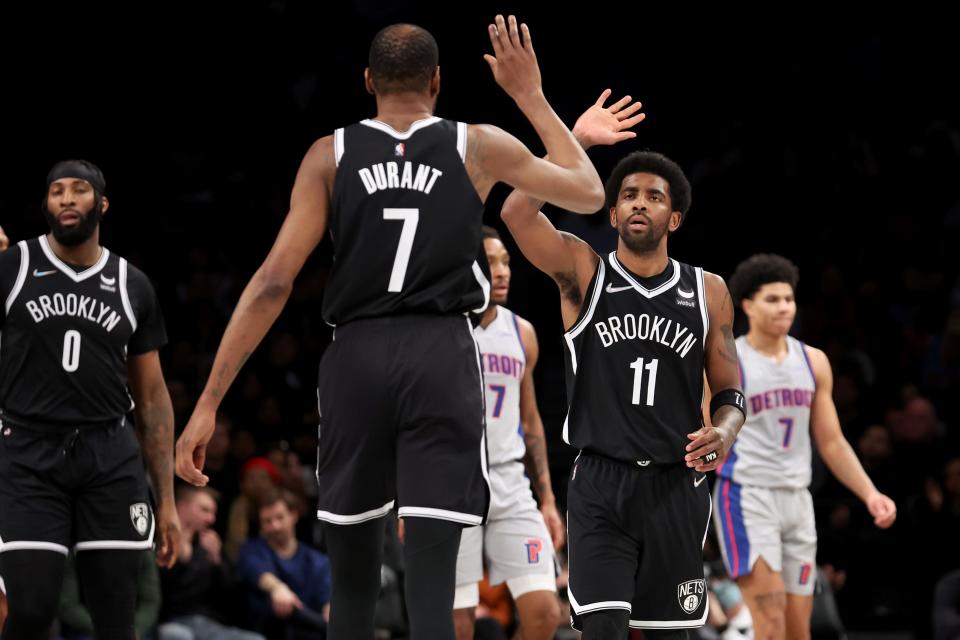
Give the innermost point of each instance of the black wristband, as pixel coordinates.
(732, 397)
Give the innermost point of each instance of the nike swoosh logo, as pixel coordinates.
(697, 483)
(613, 289)
(684, 294)
(39, 274)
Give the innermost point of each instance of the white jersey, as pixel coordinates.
(504, 361)
(773, 448)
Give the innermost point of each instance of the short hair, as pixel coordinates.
(285, 496)
(489, 233)
(657, 164)
(184, 492)
(758, 270)
(403, 57)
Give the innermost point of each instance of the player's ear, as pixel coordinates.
(676, 218)
(613, 216)
(435, 82)
(104, 204)
(368, 81)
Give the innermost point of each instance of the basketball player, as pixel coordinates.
(763, 509)
(641, 331)
(516, 539)
(79, 325)
(400, 395)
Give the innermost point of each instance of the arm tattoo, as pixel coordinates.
(224, 378)
(536, 463)
(728, 350)
(155, 424)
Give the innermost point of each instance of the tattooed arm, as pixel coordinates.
(722, 373)
(535, 458)
(262, 300)
(154, 419)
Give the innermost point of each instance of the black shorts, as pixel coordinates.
(636, 539)
(84, 488)
(402, 422)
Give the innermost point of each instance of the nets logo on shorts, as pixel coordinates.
(690, 594)
(140, 517)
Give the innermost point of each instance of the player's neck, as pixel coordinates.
(400, 110)
(489, 315)
(774, 346)
(84, 254)
(645, 265)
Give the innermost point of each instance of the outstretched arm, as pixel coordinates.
(262, 300)
(834, 448)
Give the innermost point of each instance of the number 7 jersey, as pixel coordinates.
(405, 223)
(635, 361)
(67, 333)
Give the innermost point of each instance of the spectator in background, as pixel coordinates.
(287, 582)
(258, 477)
(194, 587)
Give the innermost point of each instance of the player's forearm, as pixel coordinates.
(728, 419)
(536, 462)
(583, 189)
(844, 465)
(260, 304)
(155, 424)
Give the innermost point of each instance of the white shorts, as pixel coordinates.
(515, 541)
(774, 523)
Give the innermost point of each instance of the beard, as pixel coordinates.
(73, 236)
(643, 242)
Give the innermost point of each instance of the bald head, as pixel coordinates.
(403, 57)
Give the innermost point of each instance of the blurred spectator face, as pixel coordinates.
(243, 445)
(278, 523)
(772, 309)
(255, 483)
(917, 422)
(875, 446)
(198, 511)
(219, 444)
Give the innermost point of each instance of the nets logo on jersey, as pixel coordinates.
(399, 150)
(690, 594)
(534, 547)
(140, 517)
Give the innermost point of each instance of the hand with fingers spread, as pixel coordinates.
(708, 448)
(514, 63)
(601, 125)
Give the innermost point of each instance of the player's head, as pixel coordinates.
(763, 286)
(75, 201)
(404, 58)
(499, 261)
(648, 197)
(279, 511)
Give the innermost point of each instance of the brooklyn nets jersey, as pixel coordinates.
(66, 335)
(405, 222)
(773, 448)
(504, 361)
(635, 363)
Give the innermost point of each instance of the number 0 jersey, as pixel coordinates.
(405, 222)
(635, 361)
(66, 335)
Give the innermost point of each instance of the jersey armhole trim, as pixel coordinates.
(21, 275)
(462, 140)
(702, 295)
(338, 145)
(125, 296)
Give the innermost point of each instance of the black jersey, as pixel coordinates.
(405, 222)
(635, 361)
(66, 335)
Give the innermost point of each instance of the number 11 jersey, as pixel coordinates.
(635, 361)
(405, 223)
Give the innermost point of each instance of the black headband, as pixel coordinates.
(80, 169)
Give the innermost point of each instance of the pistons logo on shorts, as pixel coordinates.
(140, 517)
(690, 594)
(534, 547)
(805, 570)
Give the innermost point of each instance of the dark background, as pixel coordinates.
(832, 140)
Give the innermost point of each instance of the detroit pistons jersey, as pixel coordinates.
(67, 333)
(405, 223)
(635, 361)
(773, 448)
(503, 361)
